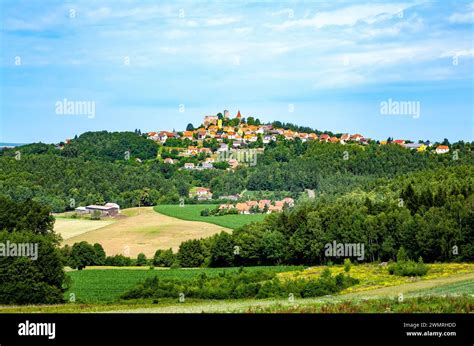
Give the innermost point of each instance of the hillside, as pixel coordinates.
(95, 168)
(144, 232)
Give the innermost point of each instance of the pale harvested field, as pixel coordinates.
(69, 228)
(146, 231)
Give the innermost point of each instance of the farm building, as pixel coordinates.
(110, 209)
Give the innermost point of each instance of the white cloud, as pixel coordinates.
(347, 16)
(221, 21)
(243, 30)
(100, 13)
(458, 53)
(285, 12)
(464, 17)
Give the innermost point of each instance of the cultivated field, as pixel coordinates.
(69, 228)
(143, 230)
(94, 285)
(192, 212)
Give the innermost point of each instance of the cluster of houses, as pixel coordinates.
(109, 209)
(243, 134)
(420, 147)
(262, 206)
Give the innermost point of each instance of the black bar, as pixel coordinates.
(239, 329)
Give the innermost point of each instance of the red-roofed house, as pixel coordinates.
(188, 135)
(164, 135)
(324, 138)
(243, 208)
(399, 141)
(356, 137)
(442, 149)
(202, 193)
(264, 202)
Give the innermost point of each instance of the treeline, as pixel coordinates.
(83, 254)
(65, 183)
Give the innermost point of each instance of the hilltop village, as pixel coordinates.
(220, 141)
(204, 147)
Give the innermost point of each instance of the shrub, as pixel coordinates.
(175, 265)
(408, 268)
(96, 215)
(347, 265)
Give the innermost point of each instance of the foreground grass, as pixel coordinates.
(107, 285)
(433, 304)
(373, 276)
(328, 304)
(192, 212)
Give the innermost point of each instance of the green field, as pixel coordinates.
(462, 287)
(192, 212)
(106, 285)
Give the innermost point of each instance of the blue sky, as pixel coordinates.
(327, 65)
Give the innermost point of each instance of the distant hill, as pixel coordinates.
(103, 145)
(111, 146)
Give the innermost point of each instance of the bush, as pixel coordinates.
(175, 265)
(96, 215)
(347, 265)
(408, 268)
(240, 284)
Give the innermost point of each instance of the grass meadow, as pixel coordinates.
(192, 212)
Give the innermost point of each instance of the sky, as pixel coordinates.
(159, 65)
